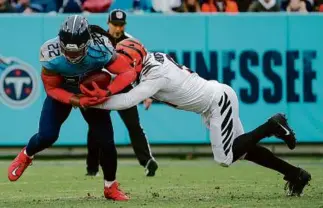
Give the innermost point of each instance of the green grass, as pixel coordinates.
(195, 183)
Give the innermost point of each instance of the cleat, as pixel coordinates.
(19, 165)
(113, 192)
(151, 168)
(282, 130)
(296, 185)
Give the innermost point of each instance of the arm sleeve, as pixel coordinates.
(125, 74)
(52, 84)
(139, 93)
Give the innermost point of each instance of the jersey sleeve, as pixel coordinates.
(125, 74)
(144, 90)
(52, 84)
(111, 49)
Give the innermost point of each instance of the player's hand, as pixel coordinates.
(91, 101)
(96, 92)
(147, 103)
(85, 101)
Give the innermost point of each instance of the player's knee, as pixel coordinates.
(224, 160)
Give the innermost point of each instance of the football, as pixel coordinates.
(102, 79)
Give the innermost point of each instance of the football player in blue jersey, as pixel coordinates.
(77, 51)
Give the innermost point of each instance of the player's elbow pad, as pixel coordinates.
(52, 88)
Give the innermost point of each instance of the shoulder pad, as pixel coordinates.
(103, 39)
(50, 50)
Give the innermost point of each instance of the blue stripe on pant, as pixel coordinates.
(53, 115)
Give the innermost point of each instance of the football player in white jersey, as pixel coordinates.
(161, 78)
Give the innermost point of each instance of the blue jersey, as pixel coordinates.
(98, 55)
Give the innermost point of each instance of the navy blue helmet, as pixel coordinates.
(75, 37)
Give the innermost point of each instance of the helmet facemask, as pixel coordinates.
(74, 53)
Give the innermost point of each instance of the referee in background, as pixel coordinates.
(130, 117)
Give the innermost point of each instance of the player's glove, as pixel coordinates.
(147, 103)
(84, 101)
(96, 92)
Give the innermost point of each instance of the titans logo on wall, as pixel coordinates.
(19, 86)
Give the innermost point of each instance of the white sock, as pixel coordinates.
(31, 157)
(108, 183)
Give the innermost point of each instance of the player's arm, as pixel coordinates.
(124, 71)
(144, 90)
(52, 83)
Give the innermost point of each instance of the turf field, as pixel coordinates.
(179, 183)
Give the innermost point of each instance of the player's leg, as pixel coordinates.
(225, 126)
(53, 114)
(221, 137)
(228, 116)
(139, 140)
(273, 126)
(99, 122)
(245, 144)
(93, 154)
(296, 178)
